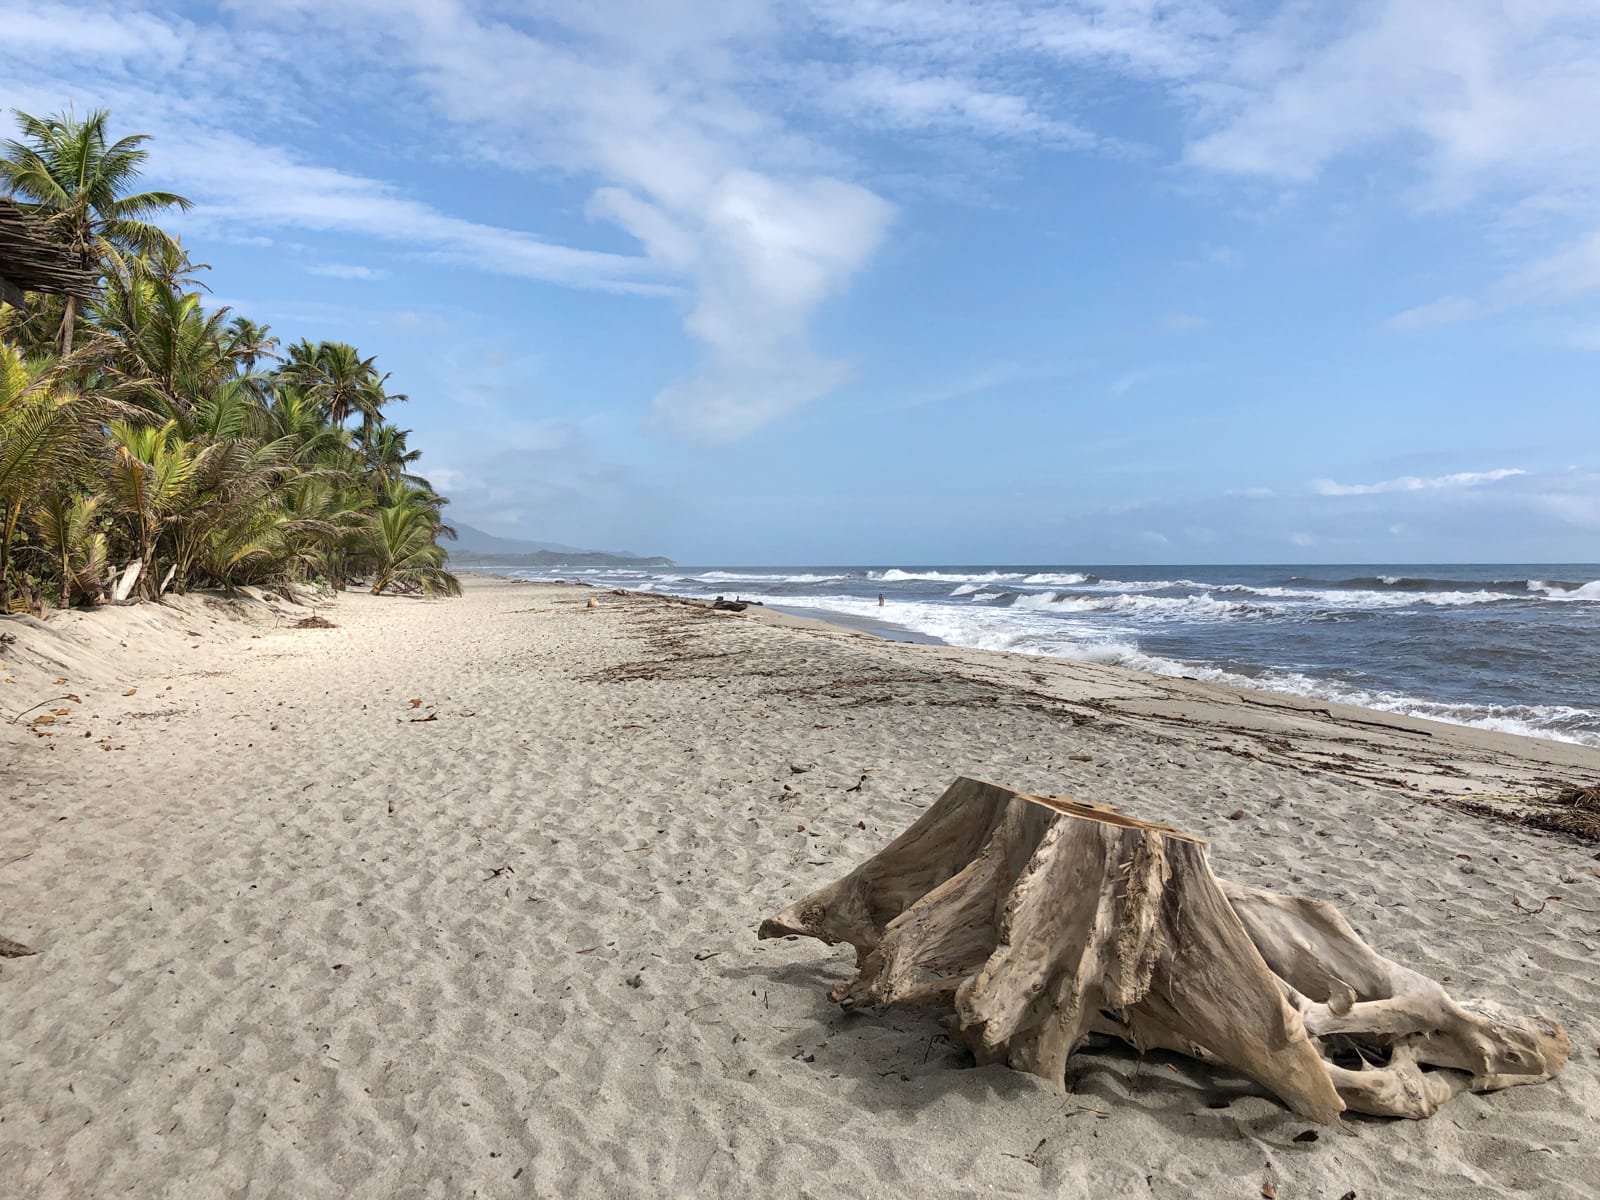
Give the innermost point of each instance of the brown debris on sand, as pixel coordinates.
(11, 949)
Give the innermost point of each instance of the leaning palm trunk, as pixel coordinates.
(8, 530)
(68, 320)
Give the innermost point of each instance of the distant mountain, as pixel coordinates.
(555, 558)
(476, 546)
(475, 541)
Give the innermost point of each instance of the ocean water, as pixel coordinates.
(1513, 647)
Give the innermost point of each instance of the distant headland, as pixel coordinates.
(474, 547)
(557, 558)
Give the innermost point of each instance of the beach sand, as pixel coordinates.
(460, 897)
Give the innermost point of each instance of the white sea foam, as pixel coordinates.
(1038, 601)
(1067, 580)
(1103, 621)
(896, 575)
(1112, 586)
(1203, 607)
(1356, 599)
(1559, 591)
(1032, 628)
(753, 577)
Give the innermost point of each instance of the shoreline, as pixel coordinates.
(1277, 680)
(463, 894)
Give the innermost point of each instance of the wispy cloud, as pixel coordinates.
(763, 254)
(1128, 380)
(1414, 483)
(982, 380)
(662, 109)
(730, 141)
(347, 271)
(904, 97)
(248, 185)
(1461, 103)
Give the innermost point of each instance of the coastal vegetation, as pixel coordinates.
(150, 442)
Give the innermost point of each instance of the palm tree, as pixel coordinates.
(249, 343)
(147, 483)
(46, 436)
(291, 414)
(334, 374)
(343, 382)
(373, 403)
(66, 527)
(404, 551)
(385, 457)
(77, 182)
(166, 352)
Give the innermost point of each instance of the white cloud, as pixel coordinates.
(1568, 273)
(764, 254)
(143, 64)
(725, 137)
(1454, 102)
(1156, 39)
(1475, 100)
(94, 36)
(647, 104)
(908, 97)
(1128, 380)
(448, 481)
(243, 184)
(1446, 310)
(347, 271)
(1413, 483)
(1469, 86)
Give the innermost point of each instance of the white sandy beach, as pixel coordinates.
(459, 898)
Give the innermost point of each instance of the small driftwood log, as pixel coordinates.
(10, 949)
(1045, 921)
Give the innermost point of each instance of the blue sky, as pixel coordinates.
(914, 281)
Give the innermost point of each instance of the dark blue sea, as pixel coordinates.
(1514, 647)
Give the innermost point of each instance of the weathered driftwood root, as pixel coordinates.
(1043, 921)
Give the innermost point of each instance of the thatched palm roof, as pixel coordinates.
(30, 261)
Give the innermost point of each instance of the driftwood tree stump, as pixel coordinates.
(1045, 921)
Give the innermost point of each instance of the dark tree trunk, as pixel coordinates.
(68, 320)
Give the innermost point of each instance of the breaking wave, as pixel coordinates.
(1506, 649)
